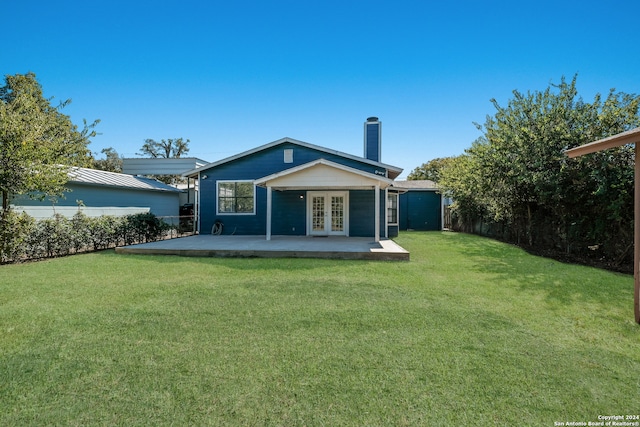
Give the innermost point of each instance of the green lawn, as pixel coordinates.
(469, 332)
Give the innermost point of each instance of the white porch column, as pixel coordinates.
(377, 216)
(268, 213)
(386, 216)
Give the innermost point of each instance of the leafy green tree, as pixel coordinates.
(112, 161)
(518, 177)
(166, 149)
(522, 164)
(169, 148)
(430, 170)
(459, 181)
(37, 142)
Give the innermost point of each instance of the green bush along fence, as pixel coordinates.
(24, 238)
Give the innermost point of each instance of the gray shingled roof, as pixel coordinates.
(423, 184)
(112, 179)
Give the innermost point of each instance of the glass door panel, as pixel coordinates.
(337, 213)
(317, 214)
(327, 214)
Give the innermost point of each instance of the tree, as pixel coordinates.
(517, 176)
(38, 143)
(430, 170)
(458, 180)
(166, 149)
(170, 148)
(111, 163)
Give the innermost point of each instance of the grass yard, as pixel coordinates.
(469, 332)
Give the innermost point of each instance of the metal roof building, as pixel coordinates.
(97, 192)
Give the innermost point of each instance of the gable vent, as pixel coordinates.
(288, 155)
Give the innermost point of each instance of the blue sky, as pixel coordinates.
(234, 75)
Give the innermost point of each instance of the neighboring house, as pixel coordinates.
(97, 193)
(420, 205)
(290, 187)
(158, 166)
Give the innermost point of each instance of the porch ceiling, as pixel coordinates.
(323, 174)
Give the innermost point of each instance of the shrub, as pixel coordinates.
(105, 231)
(15, 229)
(53, 237)
(81, 231)
(22, 237)
(143, 227)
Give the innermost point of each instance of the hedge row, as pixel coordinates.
(23, 238)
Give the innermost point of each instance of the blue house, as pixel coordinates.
(291, 187)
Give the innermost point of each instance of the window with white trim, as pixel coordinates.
(236, 197)
(392, 208)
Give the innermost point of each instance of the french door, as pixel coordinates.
(327, 213)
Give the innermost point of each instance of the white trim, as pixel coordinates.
(269, 207)
(222, 181)
(397, 196)
(386, 214)
(327, 231)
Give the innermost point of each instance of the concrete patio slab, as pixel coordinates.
(332, 247)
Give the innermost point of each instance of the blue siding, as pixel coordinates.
(289, 213)
(249, 224)
(372, 148)
(420, 210)
(261, 164)
(160, 203)
(361, 218)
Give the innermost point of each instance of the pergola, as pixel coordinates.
(630, 137)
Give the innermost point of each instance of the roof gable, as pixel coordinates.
(393, 171)
(322, 173)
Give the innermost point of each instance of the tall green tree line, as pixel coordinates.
(516, 183)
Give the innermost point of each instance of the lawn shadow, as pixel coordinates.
(238, 263)
(560, 282)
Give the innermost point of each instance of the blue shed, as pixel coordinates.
(291, 187)
(420, 205)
